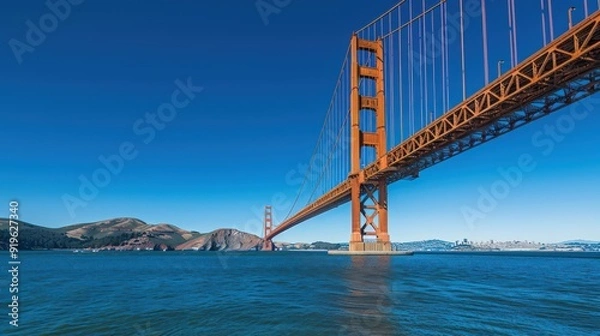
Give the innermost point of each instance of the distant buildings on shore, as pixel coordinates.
(518, 245)
(459, 245)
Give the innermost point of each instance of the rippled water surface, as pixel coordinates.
(305, 293)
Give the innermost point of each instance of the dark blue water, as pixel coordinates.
(185, 293)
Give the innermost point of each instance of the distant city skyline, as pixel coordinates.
(197, 114)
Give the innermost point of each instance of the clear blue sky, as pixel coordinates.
(78, 94)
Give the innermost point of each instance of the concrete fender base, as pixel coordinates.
(371, 253)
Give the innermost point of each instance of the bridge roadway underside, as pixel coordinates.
(560, 74)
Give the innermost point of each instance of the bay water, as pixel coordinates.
(304, 293)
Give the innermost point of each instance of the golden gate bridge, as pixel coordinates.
(422, 83)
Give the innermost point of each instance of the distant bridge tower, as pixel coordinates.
(268, 244)
(369, 198)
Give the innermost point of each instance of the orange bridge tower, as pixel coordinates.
(368, 197)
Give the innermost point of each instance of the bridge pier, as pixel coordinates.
(268, 245)
(369, 217)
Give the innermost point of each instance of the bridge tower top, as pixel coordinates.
(362, 104)
(268, 220)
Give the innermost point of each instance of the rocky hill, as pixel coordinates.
(126, 234)
(223, 240)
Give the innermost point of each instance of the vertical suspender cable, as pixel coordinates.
(344, 97)
(325, 171)
(550, 20)
(544, 37)
(400, 84)
(391, 79)
(486, 65)
(346, 110)
(442, 52)
(443, 56)
(313, 183)
(425, 60)
(514, 31)
(314, 168)
(334, 149)
(420, 71)
(346, 158)
(585, 8)
(329, 153)
(341, 119)
(337, 124)
(342, 148)
(447, 41)
(333, 166)
(462, 52)
(510, 35)
(411, 105)
(433, 57)
(325, 154)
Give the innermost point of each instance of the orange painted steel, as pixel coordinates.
(268, 226)
(556, 76)
(369, 214)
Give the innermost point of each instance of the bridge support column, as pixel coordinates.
(268, 227)
(369, 198)
(370, 217)
(268, 245)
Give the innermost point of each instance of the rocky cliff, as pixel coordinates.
(223, 240)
